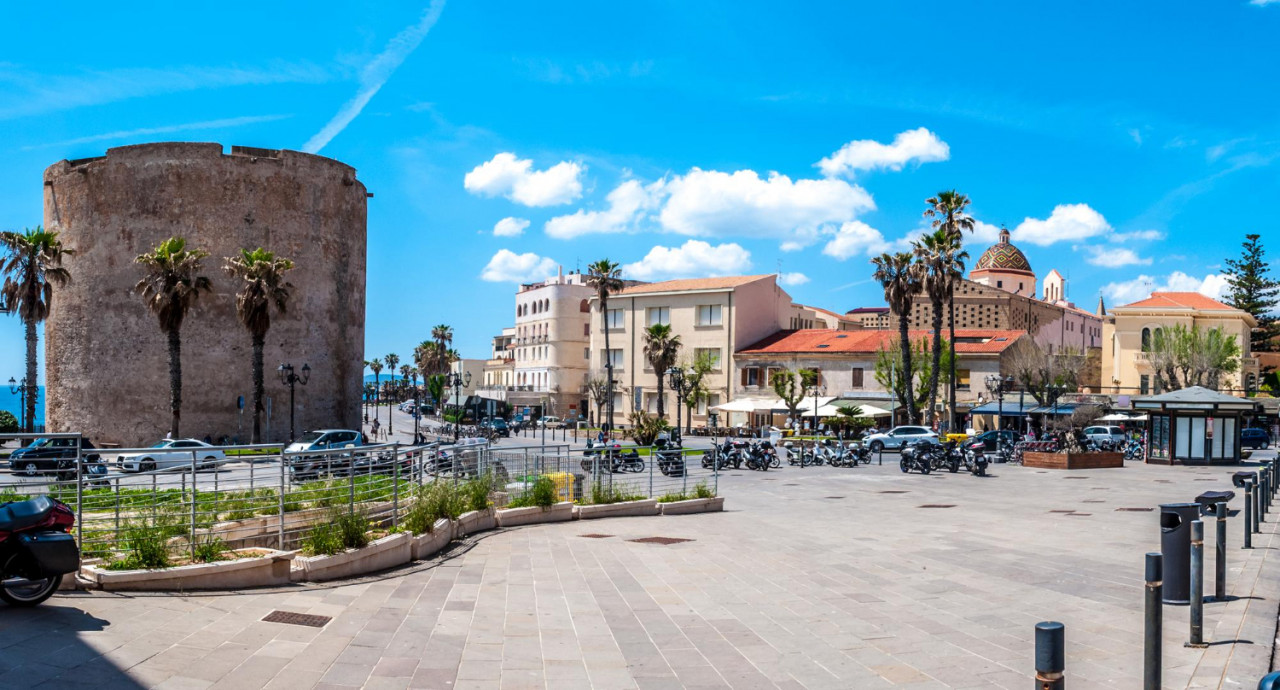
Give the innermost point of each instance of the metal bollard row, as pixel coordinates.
(1197, 585)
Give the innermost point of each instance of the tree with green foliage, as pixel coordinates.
(8, 423)
(605, 277)
(1183, 357)
(892, 375)
(661, 351)
(949, 210)
(849, 419)
(391, 360)
(262, 286)
(695, 379)
(1036, 370)
(170, 286)
(1252, 289)
(789, 387)
(899, 275)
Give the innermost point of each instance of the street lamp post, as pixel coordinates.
(816, 390)
(676, 375)
(289, 378)
(15, 387)
(998, 386)
(457, 381)
(1054, 391)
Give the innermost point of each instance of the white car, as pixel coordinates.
(172, 452)
(550, 422)
(1104, 434)
(898, 437)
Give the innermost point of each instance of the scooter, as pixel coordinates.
(36, 549)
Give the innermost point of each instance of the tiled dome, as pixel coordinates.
(1003, 256)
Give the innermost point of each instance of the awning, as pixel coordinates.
(752, 405)
(867, 410)
(1113, 417)
(1011, 408)
(1060, 410)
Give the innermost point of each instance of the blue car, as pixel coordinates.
(1255, 438)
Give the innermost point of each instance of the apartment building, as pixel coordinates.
(869, 317)
(499, 370)
(712, 316)
(1130, 330)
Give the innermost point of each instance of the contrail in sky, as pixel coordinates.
(166, 129)
(375, 74)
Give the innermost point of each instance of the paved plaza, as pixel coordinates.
(811, 578)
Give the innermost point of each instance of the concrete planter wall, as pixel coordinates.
(475, 521)
(250, 571)
(426, 545)
(693, 505)
(648, 506)
(380, 554)
(558, 512)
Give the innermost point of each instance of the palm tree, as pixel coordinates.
(376, 365)
(365, 386)
(932, 256)
(170, 288)
(262, 273)
(443, 335)
(949, 210)
(900, 278)
(605, 278)
(662, 350)
(392, 360)
(32, 269)
(412, 373)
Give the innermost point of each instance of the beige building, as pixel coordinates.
(500, 370)
(1130, 330)
(716, 316)
(869, 317)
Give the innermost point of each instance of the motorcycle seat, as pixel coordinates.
(23, 514)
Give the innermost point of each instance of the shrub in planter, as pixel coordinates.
(146, 544)
(344, 530)
(476, 492)
(602, 493)
(542, 494)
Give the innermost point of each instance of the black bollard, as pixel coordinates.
(1248, 515)
(1220, 548)
(1050, 655)
(1197, 584)
(1257, 500)
(1152, 648)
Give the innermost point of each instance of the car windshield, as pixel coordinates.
(162, 444)
(40, 443)
(310, 437)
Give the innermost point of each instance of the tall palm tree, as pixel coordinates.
(443, 335)
(31, 271)
(262, 275)
(365, 386)
(605, 277)
(376, 365)
(170, 287)
(949, 211)
(900, 278)
(392, 360)
(662, 350)
(931, 253)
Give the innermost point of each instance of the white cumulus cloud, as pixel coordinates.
(983, 233)
(509, 267)
(694, 258)
(1213, 285)
(510, 227)
(1138, 236)
(854, 238)
(714, 203)
(914, 145)
(1067, 223)
(516, 179)
(626, 203)
(793, 278)
(1114, 257)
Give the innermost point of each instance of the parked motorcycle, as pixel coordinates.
(36, 549)
(669, 456)
(915, 456)
(975, 459)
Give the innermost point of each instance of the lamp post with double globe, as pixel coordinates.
(289, 378)
(21, 388)
(679, 387)
(458, 382)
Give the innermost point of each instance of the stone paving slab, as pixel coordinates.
(789, 588)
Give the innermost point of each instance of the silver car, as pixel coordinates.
(1104, 434)
(899, 436)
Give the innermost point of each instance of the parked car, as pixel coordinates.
(304, 466)
(50, 455)
(1105, 434)
(1255, 438)
(898, 436)
(169, 453)
(498, 425)
(550, 422)
(991, 439)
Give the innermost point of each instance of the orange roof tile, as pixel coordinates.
(1177, 300)
(822, 340)
(693, 284)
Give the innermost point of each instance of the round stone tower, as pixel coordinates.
(106, 360)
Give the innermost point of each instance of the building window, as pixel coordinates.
(751, 376)
(999, 284)
(586, 330)
(613, 357)
(584, 306)
(1144, 384)
(712, 354)
(1146, 341)
(709, 314)
(855, 377)
(658, 315)
(613, 318)
(586, 353)
(962, 379)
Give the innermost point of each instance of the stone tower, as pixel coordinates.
(106, 359)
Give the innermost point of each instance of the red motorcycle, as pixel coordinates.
(36, 549)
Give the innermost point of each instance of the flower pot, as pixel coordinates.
(380, 554)
(693, 505)
(557, 512)
(648, 506)
(426, 545)
(474, 521)
(263, 568)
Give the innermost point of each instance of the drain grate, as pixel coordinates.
(833, 497)
(1064, 512)
(894, 491)
(1134, 510)
(596, 536)
(665, 541)
(937, 505)
(1075, 477)
(1079, 514)
(1093, 500)
(291, 618)
(1205, 479)
(1164, 481)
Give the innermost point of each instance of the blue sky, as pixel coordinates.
(1129, 147)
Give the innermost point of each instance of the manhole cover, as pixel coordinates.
(791, 485)
(1062, 511)
(1164, 481)
(665, 541)
(1093, 500)
(894, 491)
(1205, 480)
(291, 618)
(595, 536)
(1134, 510)
(938, 505)
(1075, 477)
(1079, 514)
(833, 497)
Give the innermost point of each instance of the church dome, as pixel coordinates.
(1003, 257)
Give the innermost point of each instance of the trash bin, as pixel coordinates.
(1175, 547)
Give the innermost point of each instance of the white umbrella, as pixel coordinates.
(746, 405)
